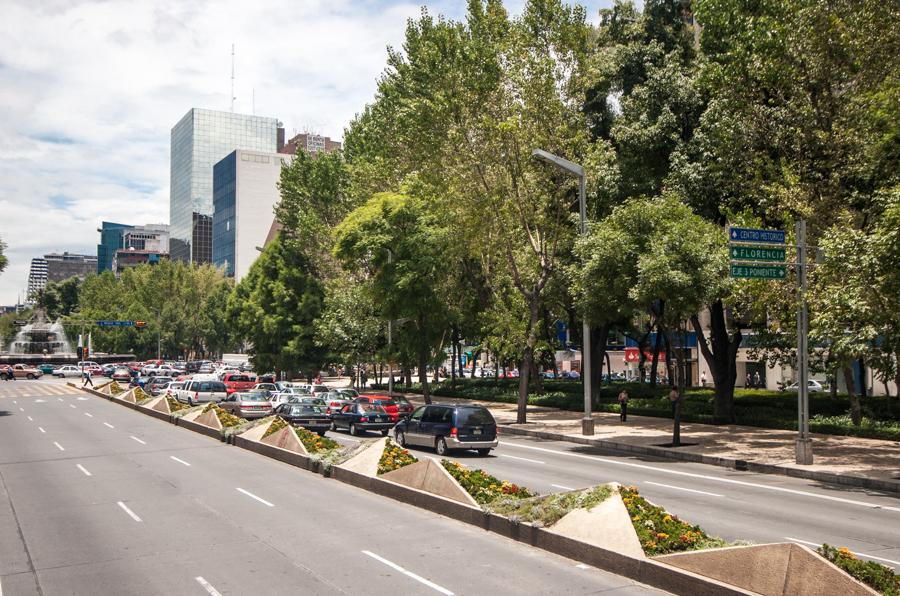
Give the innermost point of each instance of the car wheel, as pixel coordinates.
(353, 430)
(321, 433)
(400, 438)
(484, 452)
(333, 426)
(30, 376)
(384, 432)
(191, 401)
(441, 446)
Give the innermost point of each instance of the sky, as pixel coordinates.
(89, 92)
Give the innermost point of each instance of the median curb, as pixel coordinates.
(723, 462)
(645, 571)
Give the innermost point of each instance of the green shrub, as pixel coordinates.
(546, 511)
(879, 577)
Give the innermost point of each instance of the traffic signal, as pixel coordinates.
(140, 324)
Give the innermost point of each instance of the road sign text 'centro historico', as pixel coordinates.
(753, 235)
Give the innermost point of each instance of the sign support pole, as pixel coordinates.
(804, 453)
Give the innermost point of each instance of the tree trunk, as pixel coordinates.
(655, 364)
(855, 407)
(720, 353)
(537, 380)
(407, 375)
(475, 354)
(599, 339)
(453, 353)
(670, 352)
(527, 364)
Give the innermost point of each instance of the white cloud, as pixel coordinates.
(90, 90)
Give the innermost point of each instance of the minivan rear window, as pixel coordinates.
(239, 378)
(214, 386)
(473, 417)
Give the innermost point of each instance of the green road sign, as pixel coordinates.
(757, 253)
(759, 271)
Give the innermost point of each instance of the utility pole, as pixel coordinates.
(804, 454)
(390, 332)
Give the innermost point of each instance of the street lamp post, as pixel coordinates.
(587, 423)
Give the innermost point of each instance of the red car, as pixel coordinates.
(389, 405)
(238, 382)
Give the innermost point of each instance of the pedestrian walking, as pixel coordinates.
(365, 379)
(749, 382)
(623, 405)
(757, 380)
(703, 379)
(86, 379)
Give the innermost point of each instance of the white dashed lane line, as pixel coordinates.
(138, 440)
(131, 513)
(206, 586)
(181, 461)
(83, 469)
(58, 446)
(108, 424)
(88, 414)
(410, 574)
(252, 496)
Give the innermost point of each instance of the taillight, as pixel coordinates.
(453, 432)
(498, 430)
(334, 404)
(196, 395)
(363, 419)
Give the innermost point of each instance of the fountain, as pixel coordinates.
(40, 341)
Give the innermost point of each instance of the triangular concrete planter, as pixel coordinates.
(607, 526)
(366, 461)
(287, 439)
(430, 476)
(770, 569)
(209, 419)
(160, 404)
(128, 396)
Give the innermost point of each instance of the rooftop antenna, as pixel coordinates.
(232, 78)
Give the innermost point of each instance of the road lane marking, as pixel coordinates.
(138, 440)
(40, 401)
(181, 461)
(82, 399)
(88, 414)
(61, 448)
(15, 402)
(128, 511)
(82, 468)
(109, 425)
(252, 496)
(30, 419)
(562, 487)
(72, 406)
(690, 490)
(534, 461)
(41, 428)
(854, 552)
(705, 477)
(582, 566)
(21, 409)
(206, 586)
(59, 398)
(418, 578)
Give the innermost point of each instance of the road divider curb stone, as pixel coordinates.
(723, 462)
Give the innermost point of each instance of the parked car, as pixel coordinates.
(122, 374)
(449, 426)
(67, 371)
(172, 388)
(360, 417)
(335, 400)
(247, 404)
(404, 406)
(308, 400)
(156, 384)
(389, 405)
(20, 371)
(238, 382)
(812, 386)
(319, 389)
(197, 392)
(47, 368)
(161, 370)
(287, 394)
(308, 416)
(268, 388)
(570, 374)
(267, 378)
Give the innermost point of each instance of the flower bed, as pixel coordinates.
(227, 420)
(141, 396)
(661, 533)
(875, 575)
(115, 388)
(483, 487)
(175, 405)
(546, 511)
(314, 443)
(276, 426)
(394, 457)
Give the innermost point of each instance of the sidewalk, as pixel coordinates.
(854, 461)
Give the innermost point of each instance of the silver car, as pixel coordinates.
(249, 404)
(197, 392)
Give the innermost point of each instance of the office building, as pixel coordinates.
(116, 236)
(66, 265)
(245, 193)
(311, 143)
(126, 258)
(37, 278)
(199, 140)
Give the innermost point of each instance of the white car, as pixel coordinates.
(285, 395)
(173, 387)
(66, 371)
(812, 386)
(163, 370)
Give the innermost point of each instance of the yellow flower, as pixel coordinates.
(667, 518)
(662, 535)
(845, 552)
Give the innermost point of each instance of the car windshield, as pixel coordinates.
(348, 393)
(239, 379)
(215, 386)
(254, 396)
(305, 410)
(473, 417)
(384, 402)
(402, 401)
(161, 380)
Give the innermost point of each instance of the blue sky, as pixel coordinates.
(90, 90)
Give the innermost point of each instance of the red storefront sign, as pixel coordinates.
(633, 355)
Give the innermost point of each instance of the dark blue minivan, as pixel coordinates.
(448, 426)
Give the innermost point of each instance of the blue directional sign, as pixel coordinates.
(754, 235)
(115, 323)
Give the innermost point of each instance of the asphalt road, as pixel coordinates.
(753, 507)
(97, 499)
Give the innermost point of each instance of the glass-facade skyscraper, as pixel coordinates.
(199, 140)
